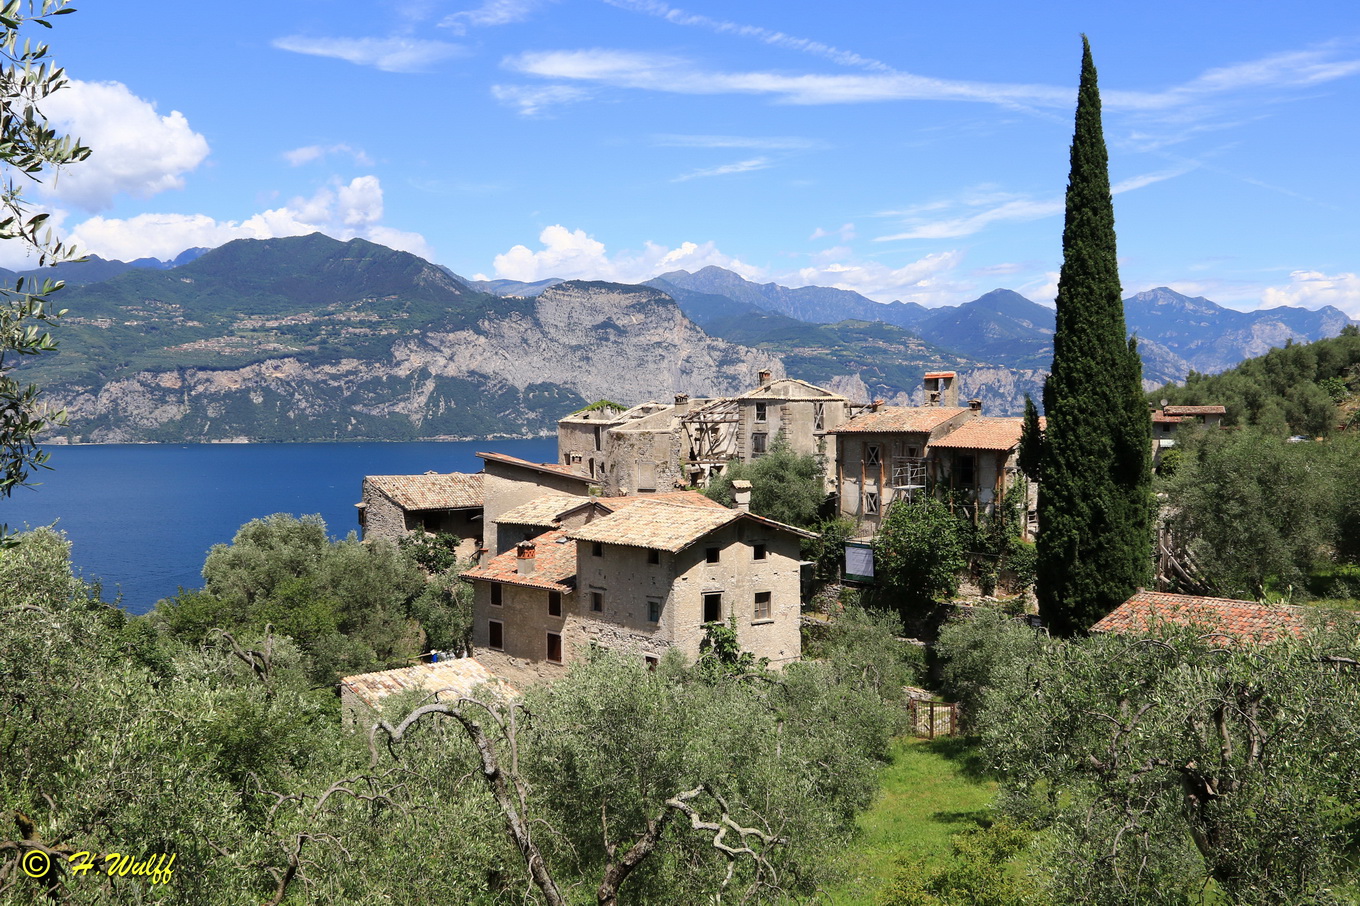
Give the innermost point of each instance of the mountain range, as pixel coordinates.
(309, 338)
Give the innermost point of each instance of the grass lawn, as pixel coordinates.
(927, 793)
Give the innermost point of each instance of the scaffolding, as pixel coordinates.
(908, 476)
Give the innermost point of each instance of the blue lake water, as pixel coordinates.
(141, 517)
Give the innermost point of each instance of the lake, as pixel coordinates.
(141, 517)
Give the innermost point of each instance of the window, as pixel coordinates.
(712, 554)
(653, 557)
(554, 603)
(554, 648)
(967, 470)
(597, 601)
(496, 635)
(653, 610)
(762, 412)
(762, 608)
(713, 607)
(872, 457)
(758, 444)
(871, 503)
(596, 549)
(599, 437)
(758, 551)
(651, 663)
(496, 591)
(431, 523)
(818, 417)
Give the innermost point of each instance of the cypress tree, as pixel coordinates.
(1095, 509)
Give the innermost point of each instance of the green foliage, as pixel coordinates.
(29, 149)
(600, 405)
(1031, 453)
(1293, 389)
(1236, 765)
(979, 874)
(785, 486)
(1258, 513)
(720, 652)
(1095, 507)
(863, 646)
(434, 554)
(349, 606)
(827, 550)
(976, 652)
(918, 555)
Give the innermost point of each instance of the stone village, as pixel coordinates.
(613, 546)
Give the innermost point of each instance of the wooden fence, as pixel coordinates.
(934, 718)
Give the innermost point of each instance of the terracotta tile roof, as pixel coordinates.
(1160, 417)
(551, 468)
(544, 511)
(897, 419)
(430, 491)
(554, 565)
(662, 525)
(983, 433)
(1233, 621)
(1196, 410)
(683, 498)
(460, 676)
(939, 374)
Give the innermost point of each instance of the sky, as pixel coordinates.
(905, 150)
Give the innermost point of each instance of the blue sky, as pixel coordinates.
(913, 151)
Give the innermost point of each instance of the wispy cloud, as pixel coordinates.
(538, 100)
(924, 281)
(677, 75)
(999, 207)
(491, 13)
(741, 166)
(755, 32)
(766, 143)
(305, 155)
(395, 54)
(845, 233)
(1313, 289)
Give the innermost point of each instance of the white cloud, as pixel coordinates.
(1314, 289)
(344, 211)
(533, 100)
(492, 12)
(395, 54)
(1043, 289)
(845, 233)
(677, 75)
(299, 156)
(921, 281)
(741, 166)
(573, 254)
(136, 150)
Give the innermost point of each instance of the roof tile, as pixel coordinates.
(459, 676)
(554, 565)
(431, 491)
(1231, 620)
(984, 433)
(890, 419)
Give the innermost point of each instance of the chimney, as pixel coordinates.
(525, 562)
(741, 492)
(764, 375)
(681, 399)
(975, 405)
(875, 405)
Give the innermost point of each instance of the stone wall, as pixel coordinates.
(506, 487)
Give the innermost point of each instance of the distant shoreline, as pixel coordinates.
(64, 442)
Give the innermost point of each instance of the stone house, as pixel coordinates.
(509, 481)
(886, 454)
(1167, 420)
(662, 446)
(393, 506)
(639, 574)
(979, 461)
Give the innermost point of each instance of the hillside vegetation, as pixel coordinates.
(1300, 388)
